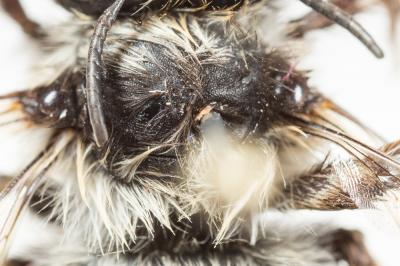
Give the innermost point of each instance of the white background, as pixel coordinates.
(342, 68)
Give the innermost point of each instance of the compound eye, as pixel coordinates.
(291, 90)
(51, 102)
(54, 105)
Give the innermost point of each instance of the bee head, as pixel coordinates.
(159, 87)
(163, 78)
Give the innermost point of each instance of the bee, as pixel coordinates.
(167, 138)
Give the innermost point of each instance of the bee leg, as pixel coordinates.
(348, 245)
(18, 263)
(345, 20)
(15, 10)
(329, 190)
(314, 20)
(351, 184)
(316, 191)
(324, 239)
(322, 244)
(95, 71)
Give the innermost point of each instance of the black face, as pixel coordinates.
(157, 100)
(252, 92)
(97, 7)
